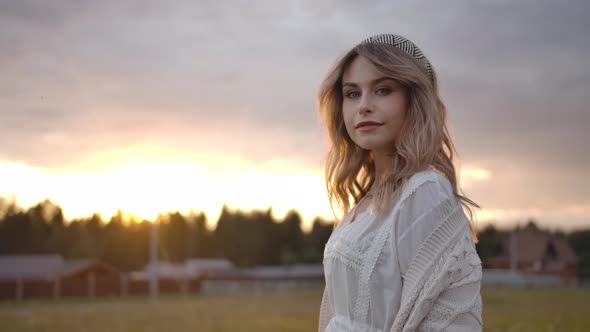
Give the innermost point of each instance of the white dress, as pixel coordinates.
(365, 261)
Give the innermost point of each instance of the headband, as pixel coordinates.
(404, 45)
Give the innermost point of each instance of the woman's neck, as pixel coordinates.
(383, 163)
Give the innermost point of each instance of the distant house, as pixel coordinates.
(81, 268)
(27, 276)
(49, 267)
(208, 266)
(163, 269)
(532, 251)
(30, 266)
(191, 268)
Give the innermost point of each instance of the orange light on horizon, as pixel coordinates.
(146, 181)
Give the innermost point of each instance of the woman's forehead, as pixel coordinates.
(361, 71)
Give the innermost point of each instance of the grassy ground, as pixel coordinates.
(294, 310)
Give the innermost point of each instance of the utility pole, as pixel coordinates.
(514, 252)
(154, 282)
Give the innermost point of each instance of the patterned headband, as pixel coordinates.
(404, 45)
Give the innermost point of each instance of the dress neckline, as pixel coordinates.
(353, 213)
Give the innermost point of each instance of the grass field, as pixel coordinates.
(293, 310)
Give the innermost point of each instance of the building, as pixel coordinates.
(49, 267)
(27, 276)
(189, 269)
(534, 252)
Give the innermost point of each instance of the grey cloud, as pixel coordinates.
(554, 120)
(514, 75)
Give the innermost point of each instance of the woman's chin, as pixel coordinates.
(374, 146)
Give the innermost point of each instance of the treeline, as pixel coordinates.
(247, 239)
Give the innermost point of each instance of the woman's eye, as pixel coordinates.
(352, 94)
(383, 91)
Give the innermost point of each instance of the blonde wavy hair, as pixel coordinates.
(423, 141)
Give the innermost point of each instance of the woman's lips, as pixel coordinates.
(369, 127)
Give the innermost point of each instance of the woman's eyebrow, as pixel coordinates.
(373, 82)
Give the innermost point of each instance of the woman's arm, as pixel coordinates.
(440, 267)
(451, 294)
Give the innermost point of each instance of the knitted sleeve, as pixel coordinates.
(442, 276)
(419, 215)
(326, 311)
(451, 299)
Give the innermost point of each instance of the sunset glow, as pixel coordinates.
(145, 181)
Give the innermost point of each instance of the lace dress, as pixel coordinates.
(366, 261)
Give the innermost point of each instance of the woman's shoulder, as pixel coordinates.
(427, 183)
(429, 202)
(426, 195)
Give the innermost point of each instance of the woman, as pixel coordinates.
(403, 258)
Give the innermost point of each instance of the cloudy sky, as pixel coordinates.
(157, 105)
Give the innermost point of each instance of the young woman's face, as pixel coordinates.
(373, 107)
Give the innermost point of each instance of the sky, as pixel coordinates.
(151, 106)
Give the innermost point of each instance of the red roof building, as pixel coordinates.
(531, 250)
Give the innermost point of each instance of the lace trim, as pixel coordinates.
(362, 302)
(344, 253)
(350, 254)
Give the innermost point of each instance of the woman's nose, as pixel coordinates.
(364, 104)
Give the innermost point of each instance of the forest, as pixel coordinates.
(247, 239)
